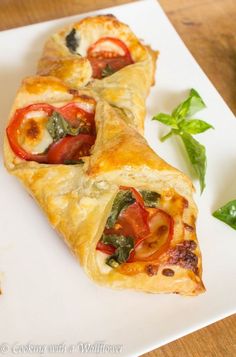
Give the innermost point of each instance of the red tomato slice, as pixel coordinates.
(158, 241)
(77, 146)
(151, 228)
(12, 131)
(136, 195)
(70, 148)
(134, 222)
(78, 117)
(106, 248)
(108, 51)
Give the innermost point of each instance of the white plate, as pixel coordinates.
(47, 299)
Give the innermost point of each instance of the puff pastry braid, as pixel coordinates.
(103, 53)
(127, 215)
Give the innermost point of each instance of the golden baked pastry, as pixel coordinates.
(103, 53)
(127, 215)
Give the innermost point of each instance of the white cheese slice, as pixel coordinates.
(109, 46)
(33, 135)
(88, 107)
(101, 262)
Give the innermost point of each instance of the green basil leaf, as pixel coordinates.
(112, 262)
(190, 106)
(194, 126)
(197, 156)
(124, 246)
(227, 214)
(166, 119)
(74, 162)
(107, 71)
(58, 127)
(151, 198)
(117, 240)
(72, 41)
(122, 200)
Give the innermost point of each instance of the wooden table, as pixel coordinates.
(208, 28)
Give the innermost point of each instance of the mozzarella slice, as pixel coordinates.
(101, 262)
(109, 46)
(86, 106)
(32, 134)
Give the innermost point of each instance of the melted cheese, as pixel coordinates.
(88, 107)
(109, 46)
(101, 262)
(32, 134)
(84, 44)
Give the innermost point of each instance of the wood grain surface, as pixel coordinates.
(208, 28)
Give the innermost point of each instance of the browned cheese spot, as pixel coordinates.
(151, 269)
(168, 272)
(32, 129)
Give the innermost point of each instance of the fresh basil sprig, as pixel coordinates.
(184, 126)
(227, 214)
(124, 246)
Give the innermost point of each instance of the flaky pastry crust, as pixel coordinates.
(77, 199)
(127, 88)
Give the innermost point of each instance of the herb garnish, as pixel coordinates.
(124, 246)
(72, 41)
(122, 200)
(227, 214)
(150, 198)
(183, 125)
(73, 162)
(58, 127)
(107, 71)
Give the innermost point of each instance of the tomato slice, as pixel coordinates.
(70, 148)
(105, 248)
(108, 52)
(134, 222)
(151, 228)
(158, 241)
(78, 117)
(12, 131)
(138, 197)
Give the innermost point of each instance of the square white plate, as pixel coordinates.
(47, 299)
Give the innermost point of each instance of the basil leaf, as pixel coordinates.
(73, 162)
(227, 214)
(197, 156)
(194, 126)
(166, 119)
(151, 198)
(107, 71)
(122, 200)
(72, 41)
(190, 106)
(58, 127)
(124, 245)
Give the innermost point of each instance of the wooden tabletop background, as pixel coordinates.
(208, 28)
